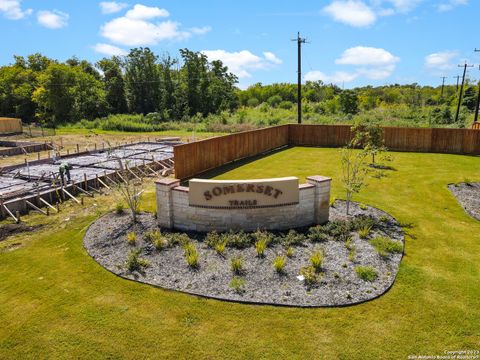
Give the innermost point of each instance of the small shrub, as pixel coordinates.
(260, 246)
(119, 208)
(290, 252)
(360, 222)
(212, 239)
(366, 273)
(332, 202)
(352, 254)
(383, 219)
(363, 207)
(178, 239)
(237, 284)
(339, 230)
(236, 264)
(131, 238)
(386, 246)
(364, 232)
(191, 255)
(134, 263)
(238, 240)
(220, 247)
(279, 263)
(157, 239)
(317, 234)
(293, 238)
(311, 277)
(316, 259)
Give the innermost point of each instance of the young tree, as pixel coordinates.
(368, 135)
(354, 172)
(131, 191)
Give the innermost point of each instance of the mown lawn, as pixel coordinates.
(56, 302)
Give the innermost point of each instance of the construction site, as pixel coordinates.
(39, 185)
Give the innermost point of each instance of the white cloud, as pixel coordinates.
(369, 62)
(53, 19)
(12, 9)
(335, 78)
(242, 63)
(137, 28)
(200, 30)
(130, 32)
(110, 7)
(142, 12)
(362, 55)
(404, 6)
(272, 58)
(450, 5)
(351, 12)
(440, 61)
(109, 50)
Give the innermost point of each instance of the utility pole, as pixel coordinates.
(299, 41)
(461, 89)
(458, 79)
(475, 119)
(443, 84)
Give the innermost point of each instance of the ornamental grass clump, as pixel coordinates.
(310, 275)
(386, 246)
(191, 255)
(119, 208)
(366, 273)
(237, 284)
(157, 239)
(131, 238)
(134, 263)
(279, 264)
(290, 252)
(364, 232)
(236, 264)
(260, 247)
(316, 259)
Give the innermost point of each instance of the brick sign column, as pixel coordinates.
(165, 201)
(322, 197)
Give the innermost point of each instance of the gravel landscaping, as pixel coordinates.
(468, 195)
(337, 283)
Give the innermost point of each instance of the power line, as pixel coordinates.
(477, 105)
(299, 41)
(443, 84)
(461, 89)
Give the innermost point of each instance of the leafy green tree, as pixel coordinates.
(66, 93)
(114, 84)
(348, 101)
(17, 85)
(470, 98)
(143, 82)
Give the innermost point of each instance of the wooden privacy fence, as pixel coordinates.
(197, 157)
(10, 125)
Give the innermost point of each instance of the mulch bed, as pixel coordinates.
(468, 195)
(106, 242)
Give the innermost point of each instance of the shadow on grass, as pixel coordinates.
(209, 174)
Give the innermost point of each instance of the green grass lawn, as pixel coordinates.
(56, 302)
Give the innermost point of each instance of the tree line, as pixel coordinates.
(37, 88)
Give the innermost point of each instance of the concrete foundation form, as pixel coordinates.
(35, 184)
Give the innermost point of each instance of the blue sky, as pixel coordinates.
(352, 42)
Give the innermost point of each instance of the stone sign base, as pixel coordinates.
(175, 212)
